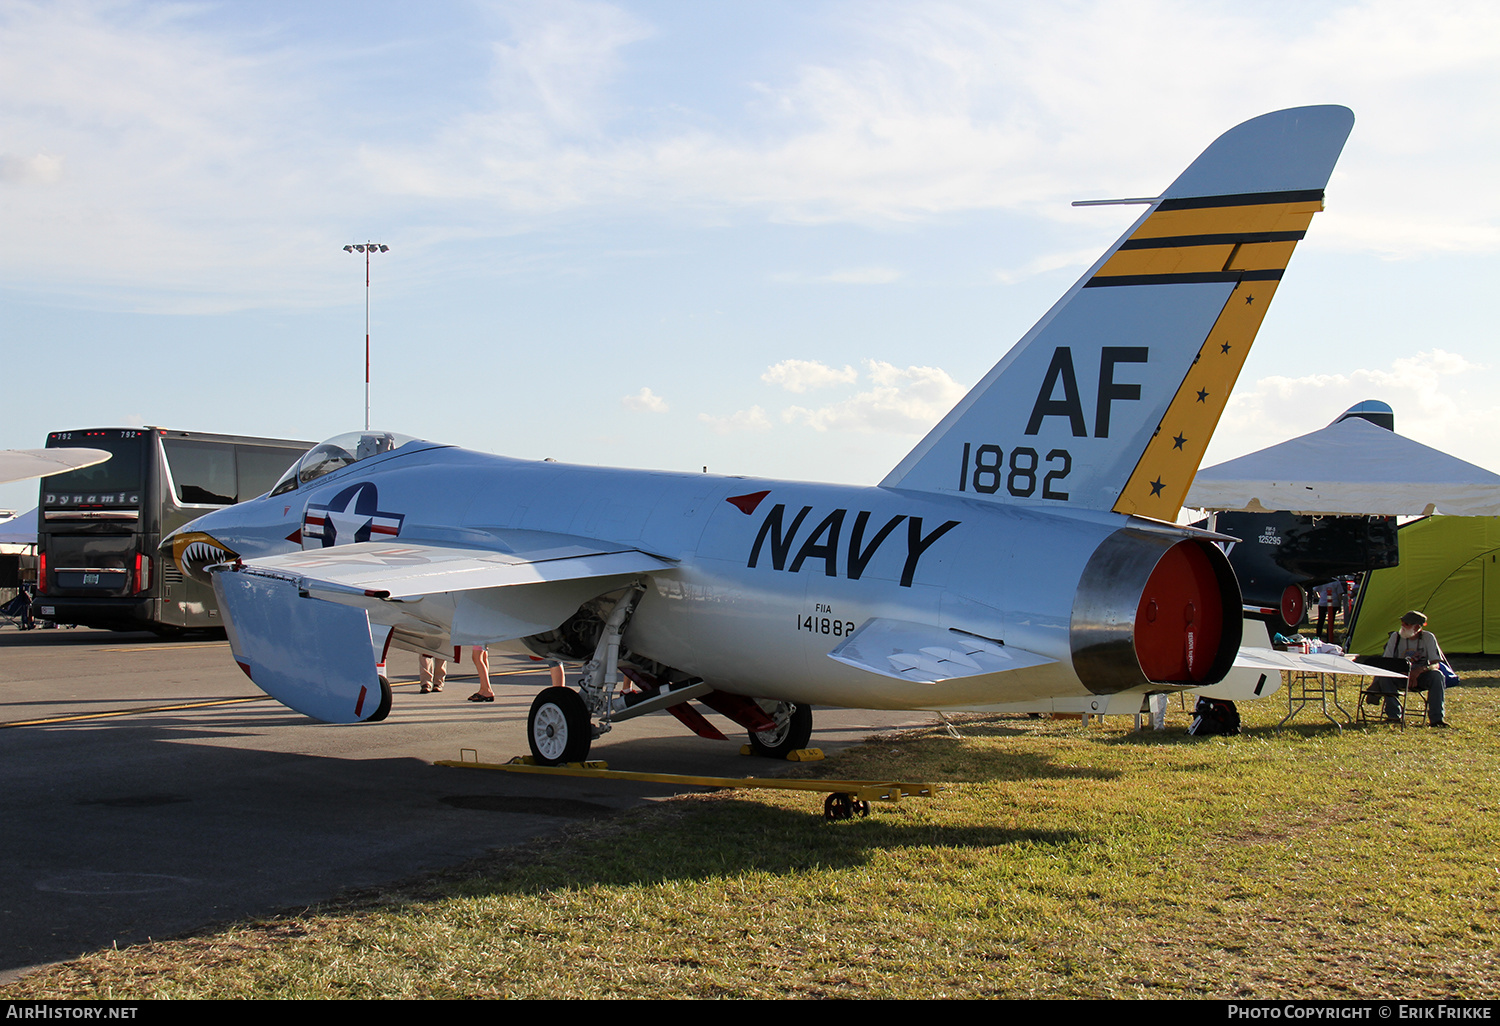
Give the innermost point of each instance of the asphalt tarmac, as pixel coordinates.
(148, 789)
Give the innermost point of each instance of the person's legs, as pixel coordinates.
(1432, 682)
(482, 667)
(1391, 688)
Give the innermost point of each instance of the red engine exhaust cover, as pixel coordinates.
(1179, 623)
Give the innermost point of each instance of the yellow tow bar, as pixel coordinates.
(846, 798)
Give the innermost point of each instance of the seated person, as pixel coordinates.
(1414, 649)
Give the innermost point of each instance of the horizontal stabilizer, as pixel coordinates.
(310, 655)
(927, 655)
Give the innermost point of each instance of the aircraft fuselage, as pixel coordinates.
(770, 576)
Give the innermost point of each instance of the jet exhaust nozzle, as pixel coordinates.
(1155, 609)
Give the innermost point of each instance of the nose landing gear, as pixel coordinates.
(558, 727)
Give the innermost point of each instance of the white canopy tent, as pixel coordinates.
(1350, 467)
(19, 530)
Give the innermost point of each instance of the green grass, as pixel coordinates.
(1282, 863)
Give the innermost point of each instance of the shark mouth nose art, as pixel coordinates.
(194, 552)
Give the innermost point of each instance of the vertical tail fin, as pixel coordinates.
(1109, 402)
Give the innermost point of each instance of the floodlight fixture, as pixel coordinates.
(367, 248)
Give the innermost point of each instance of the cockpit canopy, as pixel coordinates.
(339, 451)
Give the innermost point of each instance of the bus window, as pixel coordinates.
(202, 472)
(125, 471)
(259, 468)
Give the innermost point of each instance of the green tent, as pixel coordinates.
(1449, 570)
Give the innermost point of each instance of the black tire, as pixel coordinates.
(558, 727)
(384, 708)
(793, 731)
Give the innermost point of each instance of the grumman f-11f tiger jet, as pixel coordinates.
(1023, 556)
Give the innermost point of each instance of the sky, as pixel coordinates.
(772, 238)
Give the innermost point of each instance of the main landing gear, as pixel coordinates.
(792, 731)
(561, 726)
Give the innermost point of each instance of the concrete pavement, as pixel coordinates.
(164, 792)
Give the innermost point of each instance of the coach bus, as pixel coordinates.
(98, 529)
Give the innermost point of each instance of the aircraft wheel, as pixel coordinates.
(792, 731)
(558, 727)
(384, 708)
(1293, 614)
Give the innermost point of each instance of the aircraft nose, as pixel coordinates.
(195, 551)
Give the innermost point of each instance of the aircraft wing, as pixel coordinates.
(20, 464)
(292, 631)
(403, 571)
(529, 583)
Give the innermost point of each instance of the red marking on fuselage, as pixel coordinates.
(295, 537)
(360, 704)
(746, 503)
(245, 667)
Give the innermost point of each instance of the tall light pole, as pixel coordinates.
(367, 248)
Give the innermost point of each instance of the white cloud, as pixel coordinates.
(903, 401)
(175, 158)
(863, 276)
(164, 130)
(644, 401)
(38, 169)
(753, 419)
(851, 276)
(1441, 399)
(910, 111)
(558, 60)
(1079, 258)
(803, 375)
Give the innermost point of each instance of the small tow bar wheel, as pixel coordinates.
(558, 727)
(841, 805)
(792, 732)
